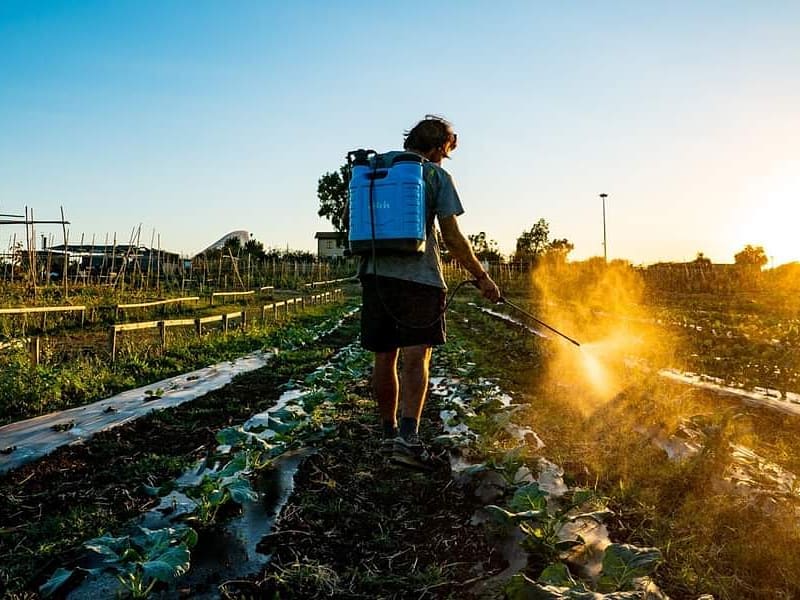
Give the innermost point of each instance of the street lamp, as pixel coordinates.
(605, 246)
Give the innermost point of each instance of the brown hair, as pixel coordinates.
(430, 133)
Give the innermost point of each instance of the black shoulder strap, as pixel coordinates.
(432, 185)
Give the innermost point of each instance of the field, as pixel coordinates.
(658, 459)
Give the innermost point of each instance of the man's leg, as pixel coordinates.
(386, 389)
(416, 362)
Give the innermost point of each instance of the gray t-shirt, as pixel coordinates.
(441, 200)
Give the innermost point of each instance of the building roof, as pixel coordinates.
(328, 235)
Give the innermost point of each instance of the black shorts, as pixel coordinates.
(396, 313)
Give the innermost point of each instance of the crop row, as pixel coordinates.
(77, 370)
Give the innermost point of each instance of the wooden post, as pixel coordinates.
(303, 304)
(263, 314)
(13, 250)
(78, 268)
(91, 262)
(162, 330)
(112, 268)
(275, 311)
(150, 258)
(158, 266)
(244, 320)
(225, 324)
(35, 348)
(66, 255)
(112, 342)
(198, 327)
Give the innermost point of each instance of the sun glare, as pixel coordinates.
(773, 213)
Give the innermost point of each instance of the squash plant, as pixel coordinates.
(138, 561)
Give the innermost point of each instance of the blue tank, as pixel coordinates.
(389, 191)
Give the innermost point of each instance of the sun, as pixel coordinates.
(773, 214)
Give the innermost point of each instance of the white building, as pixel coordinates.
(330, 244)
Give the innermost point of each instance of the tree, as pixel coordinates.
(531, 244)
(234, 244)
(702, 260)
(557, 250)
(484, 248)
(332, 193)
(751, 256)
(254, 248)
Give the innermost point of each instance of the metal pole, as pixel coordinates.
(605, 245)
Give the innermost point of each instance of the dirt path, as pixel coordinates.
(358, 527)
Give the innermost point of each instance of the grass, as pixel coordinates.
(56, 385)
(716, 540)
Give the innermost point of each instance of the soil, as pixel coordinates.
(359, 527)
(355, 527)
(49, 507)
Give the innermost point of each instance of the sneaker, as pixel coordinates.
(411, 453)
(387, 447)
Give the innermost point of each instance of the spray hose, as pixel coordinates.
(504, 300)
(537, 321)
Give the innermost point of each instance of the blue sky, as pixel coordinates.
(198, 118)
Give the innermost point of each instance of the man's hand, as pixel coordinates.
(489, 288)
(461, 249)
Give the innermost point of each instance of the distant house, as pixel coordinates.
(95, 259)
(330, 244)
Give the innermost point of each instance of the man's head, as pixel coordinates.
(433, 137)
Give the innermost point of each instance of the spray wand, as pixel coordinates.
(507, 302)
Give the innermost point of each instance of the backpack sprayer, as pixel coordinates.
(388, 214)
(387, 203)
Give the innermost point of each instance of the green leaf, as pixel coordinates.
(522, 588)
(290, 412)
(622, 563)
(153, 541)
(217, 497)
(108, 554)
(171, 563)
(231, 436)
(583, 496)
(557, 574)
(529, 497)
(59, 578)
(241, 491)
(566, 545)
(504, 516)
(279, 426)
(238, 464)
(189, 536)
(161, 491)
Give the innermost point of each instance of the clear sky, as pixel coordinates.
(195, 118)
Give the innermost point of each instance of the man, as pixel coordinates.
(403, 306)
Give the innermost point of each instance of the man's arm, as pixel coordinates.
(461, 249)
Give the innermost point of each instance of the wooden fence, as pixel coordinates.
(274, 307)
(315, 284)
(44, 311)
(121, 307)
